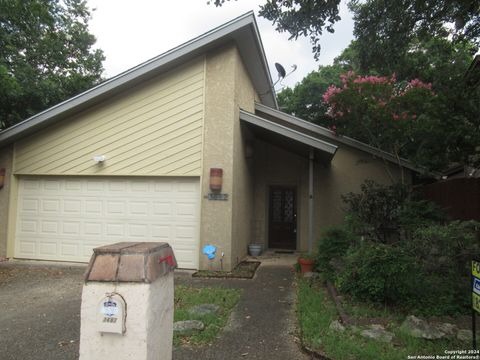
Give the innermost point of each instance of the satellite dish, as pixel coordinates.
(281, 70)
(282, 74)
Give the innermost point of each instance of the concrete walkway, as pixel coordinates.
(263, 324)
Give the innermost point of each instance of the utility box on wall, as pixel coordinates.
(127, 303)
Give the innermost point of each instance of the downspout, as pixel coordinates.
(310, 201)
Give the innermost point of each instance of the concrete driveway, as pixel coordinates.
(40, 310)
(40, 313)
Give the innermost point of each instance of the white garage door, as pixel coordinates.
(63, 218)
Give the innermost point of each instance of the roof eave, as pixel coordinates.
(338, 138)
(292, 134)
(233, 30)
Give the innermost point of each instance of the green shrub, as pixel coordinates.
(333, 244)
(429, 274)
(387, 214)
(445, 253)
(375, 209)
(448, 247)
(379, 273)
(409, 256)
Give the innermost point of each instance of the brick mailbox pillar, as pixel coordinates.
(127, 303)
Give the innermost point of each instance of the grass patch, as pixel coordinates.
(244, 270)
(187, 297)
(316, 311)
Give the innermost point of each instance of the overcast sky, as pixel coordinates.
(130, 32)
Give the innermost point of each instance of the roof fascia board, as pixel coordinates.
(191, 48)
(261, 51)
(289, 133)
(329, 134)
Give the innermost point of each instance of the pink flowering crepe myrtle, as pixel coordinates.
(377, 95)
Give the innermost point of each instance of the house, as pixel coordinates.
(134, 159)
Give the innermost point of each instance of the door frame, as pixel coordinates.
(296, 212)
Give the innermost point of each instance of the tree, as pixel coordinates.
(388, 31)
(46, 55)
(449, 130)
(300, 18)
(379, 21)
(305, 99)
(405, 118)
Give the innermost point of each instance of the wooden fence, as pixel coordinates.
(460, 198)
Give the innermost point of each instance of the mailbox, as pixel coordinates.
(111, 314)
(127, 302)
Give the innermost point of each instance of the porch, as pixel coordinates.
(285, 163)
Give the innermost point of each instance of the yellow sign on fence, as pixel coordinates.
(476, 285)
(476, 268)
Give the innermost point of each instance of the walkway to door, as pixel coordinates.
(263, 325)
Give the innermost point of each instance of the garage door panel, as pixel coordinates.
(73, 186)
(139, 208)
(71, 228)
(51, 185)
(70, 249)
(47, 248)
(51, 206)
(94, 229)
(93, 207)
(29, 205)
(95, 186)
(72, 207)
(27, 226)
(27, 247)
(162, 232)
(65, 218)
(50, 227)
(115, 207)
(185, 232)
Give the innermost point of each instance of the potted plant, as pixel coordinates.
(255, 249)
(306, 261)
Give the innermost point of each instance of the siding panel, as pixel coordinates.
(155, 129)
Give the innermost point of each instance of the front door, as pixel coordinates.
(282, 222)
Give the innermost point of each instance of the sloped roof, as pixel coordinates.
(296, 140)
(326, 134)
(243, 31)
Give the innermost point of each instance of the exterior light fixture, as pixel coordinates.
(2, 177)
(99, 158)
(216, 175)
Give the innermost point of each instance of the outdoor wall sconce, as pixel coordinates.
(99, 158)
(2, 177)
(216, 175)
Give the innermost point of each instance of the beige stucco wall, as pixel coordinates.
(243, 170)
(347, 171)
(216, 216)
(152, 129)
(226, 224)
(6, 159)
